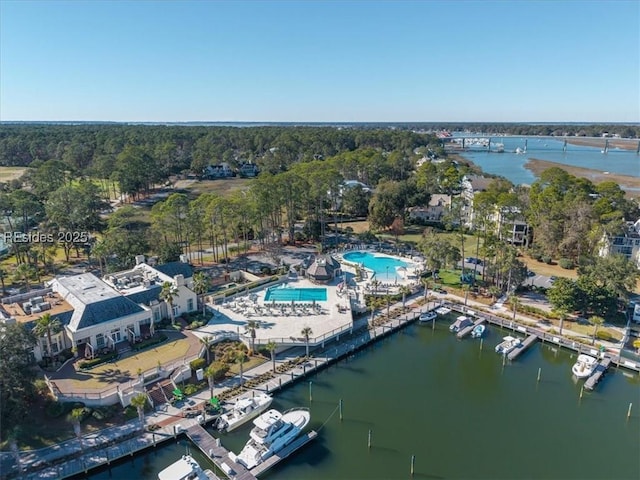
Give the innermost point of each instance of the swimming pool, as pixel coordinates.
(385, 267)
(287, 294)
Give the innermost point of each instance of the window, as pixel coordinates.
(156, 315)
(176, 309)
(100, 340)
(190, 304)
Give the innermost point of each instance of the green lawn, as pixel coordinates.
(11, 173)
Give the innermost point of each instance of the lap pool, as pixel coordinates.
(279, 294)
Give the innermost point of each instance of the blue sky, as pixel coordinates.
(320, 61)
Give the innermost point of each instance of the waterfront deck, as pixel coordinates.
(598, 373)
(515, 353)
(219, 455)
(466, 331)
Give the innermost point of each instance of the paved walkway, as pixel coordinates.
(70, 457)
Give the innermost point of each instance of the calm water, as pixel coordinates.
(456, 409)
(511, 165)
(385, 267)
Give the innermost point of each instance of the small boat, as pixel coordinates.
(427, 316)
(585, 366)
(508, 343)
(186, 468)
(478, 331)
(461, 323)
(272, 431)
(244, 410)
(443, 310)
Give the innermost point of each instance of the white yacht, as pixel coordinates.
(508, 343)
(244, 410)
(272, 431)
(461, 323)
(585, 366)
(186, 468)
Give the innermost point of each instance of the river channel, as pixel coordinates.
(456, 408)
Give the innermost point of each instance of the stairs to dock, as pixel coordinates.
(161, 392)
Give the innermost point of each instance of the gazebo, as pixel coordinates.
(324, 269)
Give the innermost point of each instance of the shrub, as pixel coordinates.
(546, 259)
(97, 361)
(152, 341)
(566, 263)
(55, 409)
(197, 364)
(603, 335)
(130, 412)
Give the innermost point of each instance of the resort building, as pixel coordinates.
(434, 211)
(222, 170)
(97, 314)
(321, 269)
(626, 243)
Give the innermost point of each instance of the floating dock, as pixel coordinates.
(466, 331)
(515, 353)
(598, 373)
(219, 455)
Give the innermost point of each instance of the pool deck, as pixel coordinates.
(391, 285)
(280, 321)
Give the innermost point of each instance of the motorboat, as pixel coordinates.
(186, 468)
(427, 316)
(272, 431)
(478, 331)
(245, 409)
(585, 366)
(508, 343)
(443, 310)
(461, 323)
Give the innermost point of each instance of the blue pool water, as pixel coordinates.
(280, 294)
(385, 267)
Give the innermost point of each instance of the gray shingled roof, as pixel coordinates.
(320, 271)
(105, 311)
(175, 268)
(146, 296)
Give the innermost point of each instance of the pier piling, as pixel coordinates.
(629, 411)
(369, 439)
(481, 342)
(413, 463)
(539, 373)
(310, 395)
(581, 391)
(340, 405)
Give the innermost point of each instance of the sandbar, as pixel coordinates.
(628, 183)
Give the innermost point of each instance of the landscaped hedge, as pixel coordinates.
(148, 343)
(197, 364)
(566, 263)
(86, 364)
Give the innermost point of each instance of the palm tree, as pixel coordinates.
(562, 314)
(466, 287)
(75, 417)
(201, 286)
(47, 325)
(596, 321)
(241, 357)
(24, 273)
(140, 401)
(405, 291)
(250, 328)
(425, 282)
(168, 293)
(271, 348)
(213, 371)
(306, 333)
(207, 342)
(515, 303)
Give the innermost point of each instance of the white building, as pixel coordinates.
(98, 314)
(434, 211)
(627, 243)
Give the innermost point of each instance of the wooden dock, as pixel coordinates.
(284, 453)
(466, 331)
(217, 453)
(598, 373)
(515, 353)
